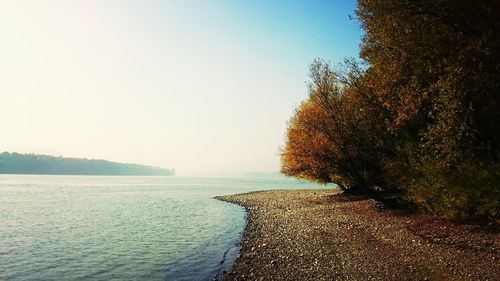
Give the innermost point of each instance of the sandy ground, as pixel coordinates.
(321, 235)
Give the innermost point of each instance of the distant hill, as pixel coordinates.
(17, 163)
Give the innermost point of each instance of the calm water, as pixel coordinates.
(121, 228)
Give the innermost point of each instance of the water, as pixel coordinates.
(121, 228)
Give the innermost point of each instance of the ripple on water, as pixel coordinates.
(120, 228)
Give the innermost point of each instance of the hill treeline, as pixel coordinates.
(417, 120)
(16, 163)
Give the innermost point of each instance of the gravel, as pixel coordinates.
(324, 235)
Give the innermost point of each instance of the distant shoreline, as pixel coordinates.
(91, 175)
(323, 235)
(35, 164)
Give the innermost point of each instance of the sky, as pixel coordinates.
(205, 87)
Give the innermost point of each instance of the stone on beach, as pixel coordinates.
(321, 235)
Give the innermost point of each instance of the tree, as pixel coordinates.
(435, 68)
(337, 135)
(421, 120)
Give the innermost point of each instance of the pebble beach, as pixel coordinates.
(325, 235)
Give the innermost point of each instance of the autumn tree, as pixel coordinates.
(308, 153)
(337, 135)
(420, 120)
(434, 65)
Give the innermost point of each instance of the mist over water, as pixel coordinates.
(132, 228)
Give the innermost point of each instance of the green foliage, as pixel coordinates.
(470, 190)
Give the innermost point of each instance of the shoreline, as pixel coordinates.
(324, 235)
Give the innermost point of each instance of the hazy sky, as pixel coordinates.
(202, 86)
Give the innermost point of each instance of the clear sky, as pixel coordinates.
(203, 86)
